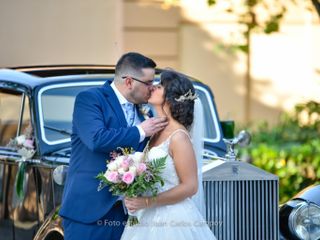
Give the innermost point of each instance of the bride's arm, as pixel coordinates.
(183, 155)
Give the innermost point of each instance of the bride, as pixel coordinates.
(171, 214)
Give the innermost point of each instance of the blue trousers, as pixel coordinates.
(109, 227)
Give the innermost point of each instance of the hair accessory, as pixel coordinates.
(187, 96)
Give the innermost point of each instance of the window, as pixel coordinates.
(10, 108)
(209, 114)
(56, 109)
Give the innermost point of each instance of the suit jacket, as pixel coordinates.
(99, 127)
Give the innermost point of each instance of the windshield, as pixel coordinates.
(56, 108)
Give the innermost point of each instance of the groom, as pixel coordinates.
(104, 119)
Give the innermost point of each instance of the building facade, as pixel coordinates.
(285, 66)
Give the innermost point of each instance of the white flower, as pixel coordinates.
(25, 153)
(121, 171)
(133, 170)
(106, 173)
(112, 166)
(137, 157)
(21, 139)
(119, 160)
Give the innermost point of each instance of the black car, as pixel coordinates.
(300, 216)
(36, 105)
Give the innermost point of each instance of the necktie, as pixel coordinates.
(130, 113)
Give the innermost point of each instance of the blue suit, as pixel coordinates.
(99, 127)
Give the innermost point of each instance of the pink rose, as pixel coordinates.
(128, 177)
(141, 168)
(112, 177)
(28, 143)
(125, 164)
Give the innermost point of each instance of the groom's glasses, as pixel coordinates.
(148, 83)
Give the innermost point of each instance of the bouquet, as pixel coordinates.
(24, 144)
(128, 174)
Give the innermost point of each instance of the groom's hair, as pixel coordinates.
(132, 63)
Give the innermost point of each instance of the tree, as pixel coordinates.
(247, 14)
(316, 5)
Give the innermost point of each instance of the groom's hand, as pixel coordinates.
(154, 125)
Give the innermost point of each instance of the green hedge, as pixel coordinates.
(291, 149)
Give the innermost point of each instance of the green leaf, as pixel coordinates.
(20, 179)
(243, 48)
(159, 163)
(252, 3)
(100, 176)
(212, 2)
(271, 26)
(56, 213)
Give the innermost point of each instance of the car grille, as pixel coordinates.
(241, 202)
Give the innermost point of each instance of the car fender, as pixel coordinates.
(51, 229)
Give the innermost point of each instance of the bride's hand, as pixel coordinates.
(134, 204)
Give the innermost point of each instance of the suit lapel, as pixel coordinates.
(114, 103)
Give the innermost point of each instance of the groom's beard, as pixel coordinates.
(139, 98)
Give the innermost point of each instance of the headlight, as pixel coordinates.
(304, 221)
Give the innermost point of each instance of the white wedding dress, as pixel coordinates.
(179, 221)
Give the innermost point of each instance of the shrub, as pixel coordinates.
(290, 150)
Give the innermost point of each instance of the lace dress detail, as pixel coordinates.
(179, 221)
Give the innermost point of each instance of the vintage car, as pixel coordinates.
(300, 216)
(36, 105)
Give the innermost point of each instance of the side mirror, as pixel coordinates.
(227, 129)
(60, 174)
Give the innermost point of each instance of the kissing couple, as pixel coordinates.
(108, 117)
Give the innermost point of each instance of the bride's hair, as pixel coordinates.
(177, 85)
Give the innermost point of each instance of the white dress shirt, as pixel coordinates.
(122, 101)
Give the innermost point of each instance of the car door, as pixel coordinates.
(18, 214)
(213, 144)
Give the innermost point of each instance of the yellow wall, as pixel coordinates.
(153, 31)
(60, 32)
(285, 66)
